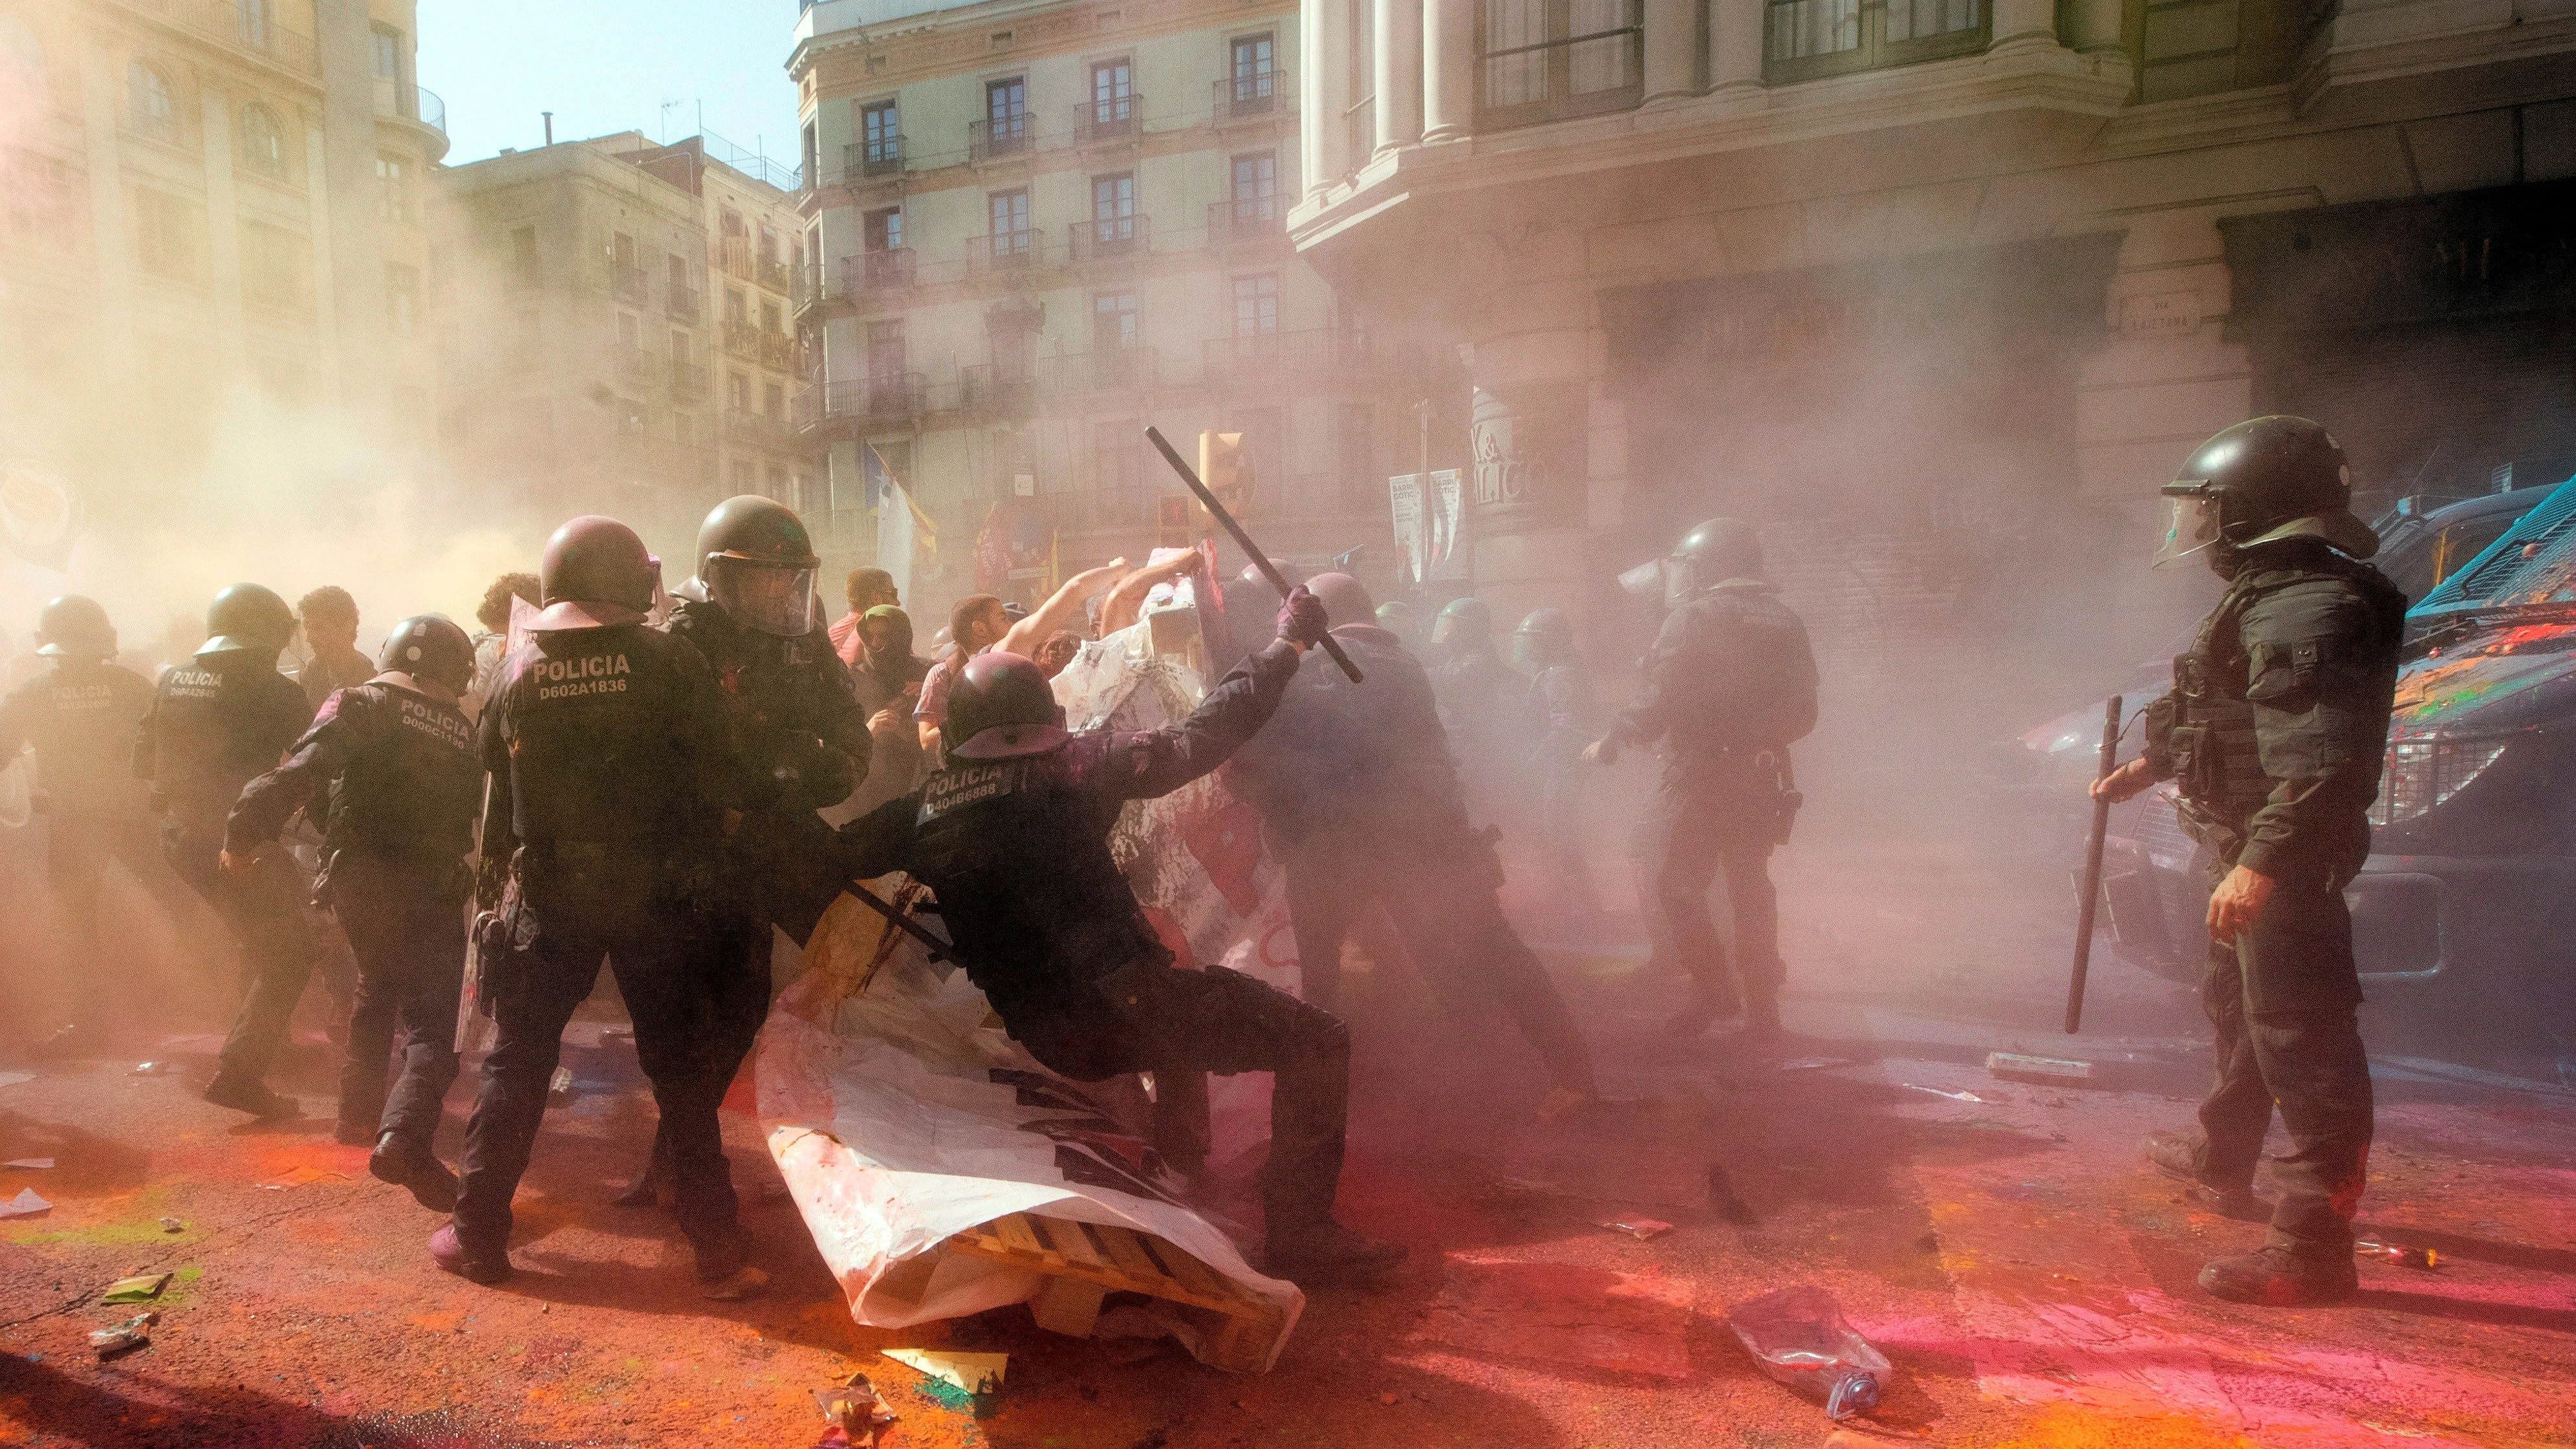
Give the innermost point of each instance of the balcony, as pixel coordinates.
(1108, 120)
(1009, 251)
(1109, 238)
(1102, 370)
(733, 257)
(428, 109)
(249, 25)
(1000, 137)
(637, 366)
(757, 430)
(857, 405)
(681, 302)
(1257, 359)
(1249, 225)
(847, 533)
(773, 275)
(871, 160)
(688, 379)
(887, 269)
(1805, 39)
(989, 392)
(628, 284)
(1254, 96)
(781, 351)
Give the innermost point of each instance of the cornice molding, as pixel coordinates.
(959, 41)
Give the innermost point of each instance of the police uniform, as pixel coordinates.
(607, 754)
(1360, 801)
(2276, 731)
(217, 722)
(1557, 716)
(1016, 850)
(401, 783)
(1729, 683)
(81, 717)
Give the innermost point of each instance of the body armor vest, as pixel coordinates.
(217, 724)
(1019, 858)
(597, 750)
(413, 784)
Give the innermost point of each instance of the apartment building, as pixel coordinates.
(1976, 272)
(617, 331)
(1035, 227)
(203, 201)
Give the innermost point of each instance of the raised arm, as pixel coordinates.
(1157, 762)
(1062, 610)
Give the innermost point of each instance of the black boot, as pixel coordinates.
(2178, 1156)
(246, 1094)
(415, 1168)
(2276, 1277)
(1329, 1255)
(655, 1186)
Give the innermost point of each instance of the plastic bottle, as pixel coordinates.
(1799, 1337)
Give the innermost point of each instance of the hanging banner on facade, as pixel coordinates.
(905, 535)
(1428, 524)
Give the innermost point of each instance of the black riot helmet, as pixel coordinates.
(247, 618)
(429, 647)
(1709, 555)
(1545, 637)
(76, 628)
(2262, 480)
(757, 563)
(595, 572)
(1345, 599)
(1000, 706)
(1463, 623)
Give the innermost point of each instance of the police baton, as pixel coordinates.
(1243, 540)
(2093, 869)
(939, 949)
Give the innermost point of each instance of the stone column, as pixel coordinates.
(1735, 45)
(1399, 73)
(2024, 25)
(2093, 26)
(1328, 67)
(1672, 49)
(1314, 103)
(1448, 69)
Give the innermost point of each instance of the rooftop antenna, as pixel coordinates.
(550, 126)
(665, 133)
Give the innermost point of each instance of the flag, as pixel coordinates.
(905, 535)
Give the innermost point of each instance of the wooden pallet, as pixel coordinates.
(1085, 1262)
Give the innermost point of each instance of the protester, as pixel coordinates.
(865, 589)
(493, 639)
(330, 620)
(887, 682)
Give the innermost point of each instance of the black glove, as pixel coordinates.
(1302, 620)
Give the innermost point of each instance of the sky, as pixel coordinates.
(603, 67)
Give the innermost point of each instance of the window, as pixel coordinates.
(402, 299)
(1113, 100)
(742, 475)
(1008, 211)
(523, 255)
(263, 141)
(737, 307)
(679, 345)
(885, 348)
(1113, 213)
(1006, 116)
(1256, 190)
(388, 49)
(629, 330)
(882, 231)
(1547, 59)
(778, 483)
(772, 321)
(148, 102)
(250, 22)
(738, 391)
(165, 235)
(683, 297)
(1256, 306)
(813, 153)
(272, 266)
(1252, 81)
(1113, 322)
(773, 399)
(880, 139)
(1115, 460)
(394, 175)
(1802, 39)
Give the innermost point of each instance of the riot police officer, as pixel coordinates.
(394, 759)
(216, 723)
(2275, 731)
(1730, 684)
(1012, 836)
(605, 742)
(797, 743)
(81, 715)
(1557, 725)
(1359, 799)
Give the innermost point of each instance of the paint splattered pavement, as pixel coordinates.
(1997, 1240)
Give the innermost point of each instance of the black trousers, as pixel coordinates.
(406, 925)
(78, 851)
(1443, 906)
(2280, 1000)
(1693, 839)
(263, 911)
(1177, 1023)
(660, 958)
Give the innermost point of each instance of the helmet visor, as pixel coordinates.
(771, 598)
(2191, 524)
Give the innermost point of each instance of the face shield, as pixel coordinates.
(2191, 525)
(1645, 582)
(772, 598)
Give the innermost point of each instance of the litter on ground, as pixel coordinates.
(976, 1373)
